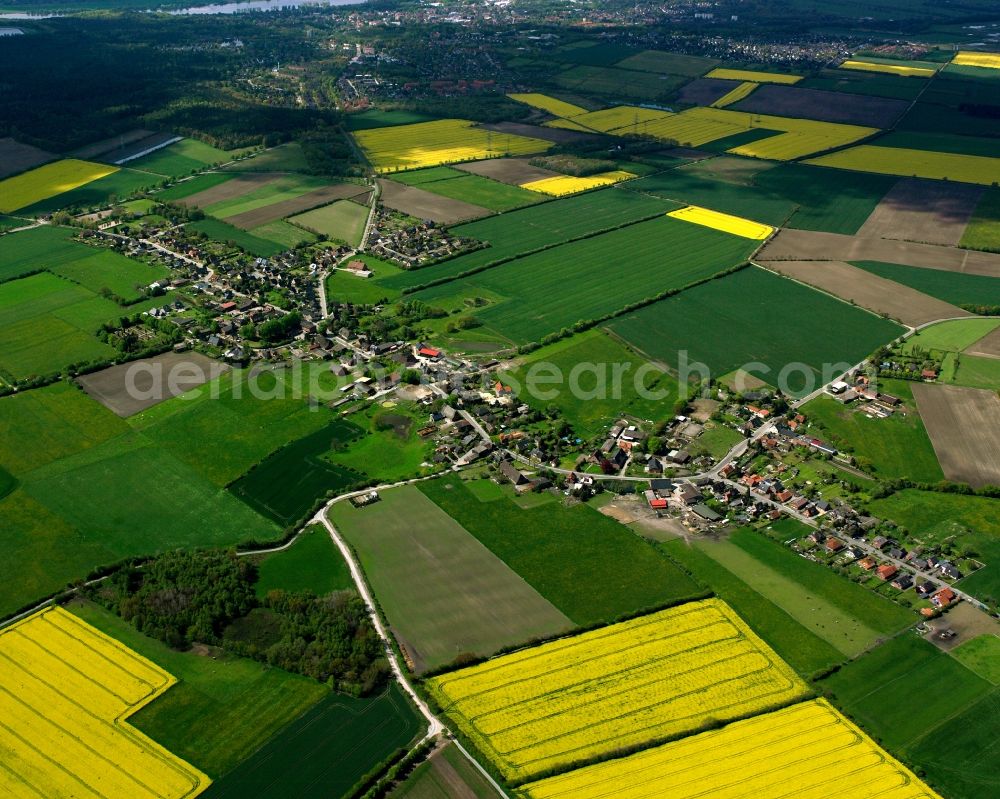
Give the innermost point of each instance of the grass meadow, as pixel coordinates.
(955, 287)
(311, 563)
(755, 316)
(475, 189)
(343, 220)
(587, 565)
(181, 158)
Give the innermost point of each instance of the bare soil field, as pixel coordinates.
(966, 621)
(875, 293)
(424, 205)
(513, 171)
(964, 426)
(557, 135)
(850, 109)
(807, 245)
(16, 157)
(103, 146)
(235, 187)
(705, 91)
(988, 346)
(129, 388)
(296, 205)
(929, 211)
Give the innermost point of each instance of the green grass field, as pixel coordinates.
(983, 230)
(192, 186)
(869, 83)
(436, 779)
(116, 186)
(283, 158)
(959, 756)
(475, 189)
(716, 441)
(981, 655)
(181, 158)
(975, 372)
(311, 563)
(893, 448)
(94, 268)
(282, 232)
(663, 253)
(618, 84)
(390, 449)
(877, 690)
(203, 718)
(343, 220)
(668, 63)
(941, 143)
(345, 287)
(954, 287)
(285, 485)
(952, 336)
(326, 751)
(222, 438)
(588, 362)
(229, 234)
(799, 646)
(936, 517)
(47, 323)
(443, 592)
(542, 225)
(373, 118)
(755, 316)
(857, 616)
(791, 195)
(587, 565)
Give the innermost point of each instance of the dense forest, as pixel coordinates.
(69, 82)
(209, 598)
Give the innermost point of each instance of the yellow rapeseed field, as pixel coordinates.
(444, 141)
(749, 74)
(568, 184)
(892, 69)
(740, 92)
(919, 163)
(65, 692)
(969, 59)
(736, 225)
(650, 678)
(553, 105)
(806, 751)
(622, 119)
(794, 138)
(47, 181)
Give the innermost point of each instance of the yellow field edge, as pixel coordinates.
(568, 184)
(48, 181)
(727, 223)
(723, 73)
(890, 69)
(967, 58)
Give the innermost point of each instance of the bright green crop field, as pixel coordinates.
(954, 287)
(311, 563)
(588, 279)
(753, 316)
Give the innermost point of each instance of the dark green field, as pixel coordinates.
(804, 651)
(222, 231)
(877, 690)
(36, 249)
(475, 189)
(960, 756)
(893, 448)
(326, 751)
(942, 143)
(542, 225)
(373, 118)
(588, 279)
(870, 83)
(617, 85)
(311, 563)
(204, 718)
(755, 316)
(194, 185)
(954, 287)
(600, 400)
(287, 484)
(587, 565)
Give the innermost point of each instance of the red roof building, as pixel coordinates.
(429, 352)
(886, 571)
(943, 597)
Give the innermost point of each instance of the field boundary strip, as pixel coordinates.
(727, 223)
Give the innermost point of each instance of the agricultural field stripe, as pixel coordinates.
(737, 94)
(552, 105)
(48, 181)
(752, 75)
(727, 223)
(562, 185)
(892, 69)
